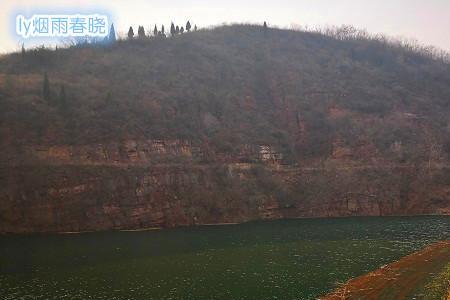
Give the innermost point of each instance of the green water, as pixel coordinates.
(291, 259)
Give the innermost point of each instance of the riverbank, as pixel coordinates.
(418, 274)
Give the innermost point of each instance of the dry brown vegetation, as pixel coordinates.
(233, 85)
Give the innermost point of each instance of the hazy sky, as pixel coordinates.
(427, 21)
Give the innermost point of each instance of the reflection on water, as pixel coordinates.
(291, 259)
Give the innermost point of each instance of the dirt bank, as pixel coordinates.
(399, 280)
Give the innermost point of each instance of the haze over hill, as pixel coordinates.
(226, 125)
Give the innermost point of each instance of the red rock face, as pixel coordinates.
(134, 184)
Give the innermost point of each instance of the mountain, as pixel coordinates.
(231, 124)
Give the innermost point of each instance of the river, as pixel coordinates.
(287, 259)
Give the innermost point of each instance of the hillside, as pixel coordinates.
(224, 125)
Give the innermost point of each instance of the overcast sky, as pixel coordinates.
(427, 21)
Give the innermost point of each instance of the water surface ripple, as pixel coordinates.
(289, 259)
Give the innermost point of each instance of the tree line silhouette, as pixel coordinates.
(174, 30)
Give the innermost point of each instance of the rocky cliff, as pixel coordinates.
(141, 184)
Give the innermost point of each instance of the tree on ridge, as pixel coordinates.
(130, 33)
(112, 34)
(141, 32)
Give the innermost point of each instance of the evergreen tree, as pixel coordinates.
(162, 31)
(155, 31)
(172, 29)
(177, 30)
(46, 88)
(141, 32)
(195, 28)
(188, 26)
(23, 50)
(265, 28)
(130, 33)
(62, 99)
(181, 29)
(112, 34)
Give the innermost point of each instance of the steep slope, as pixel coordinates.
(223, 125)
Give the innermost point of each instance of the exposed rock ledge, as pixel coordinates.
(72, 198)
